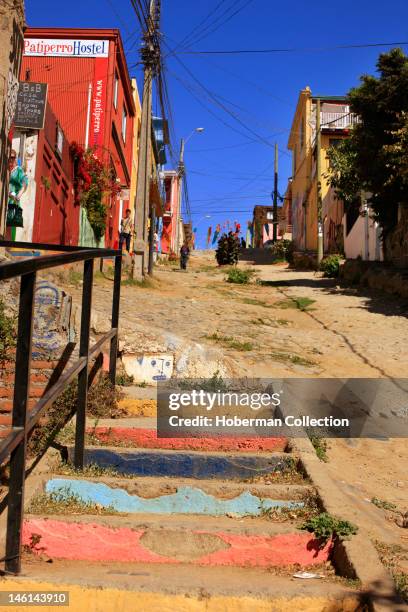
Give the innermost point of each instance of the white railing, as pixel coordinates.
(335, 121)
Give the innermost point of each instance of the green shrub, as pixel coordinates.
(330, 266)
(240, 277)
(282, 250)
(325, 527)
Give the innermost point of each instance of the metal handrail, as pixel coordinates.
(15, 444)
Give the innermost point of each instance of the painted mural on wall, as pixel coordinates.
(25, 234)
(149, 368)
(52, 313)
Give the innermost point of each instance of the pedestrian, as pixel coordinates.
(243, 243)
(126, 230)
(184, 255)
(18, 184)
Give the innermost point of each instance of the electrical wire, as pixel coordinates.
(292, 49)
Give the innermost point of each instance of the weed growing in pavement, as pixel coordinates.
(393, 556)
(146, 283)
(239, 277)
(8, 333)
(381, 503)
(103, 400)
(301, 303)
(89, 471)
(325, 526)
(254, 302)
(291, 358)
(64, 501)
(309, 509)
(230, 342)
(215, 383)
(269, 322)
(75, 278)
(320, 446)
(124, 380)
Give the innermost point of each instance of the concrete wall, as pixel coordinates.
(363, 241)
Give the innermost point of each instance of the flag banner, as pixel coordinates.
(216, 234)
(209, 234)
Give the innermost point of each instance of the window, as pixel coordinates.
(124, 123)
(115, 90)
(269, 216)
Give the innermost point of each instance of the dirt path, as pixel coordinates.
(343, 333)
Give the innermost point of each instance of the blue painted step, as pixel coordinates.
(188, 465)
(187, 500)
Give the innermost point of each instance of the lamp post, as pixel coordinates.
(181, 171)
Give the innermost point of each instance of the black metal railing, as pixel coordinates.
(23, 422)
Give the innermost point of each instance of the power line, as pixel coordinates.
(292, 49)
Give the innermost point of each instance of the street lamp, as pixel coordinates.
(197, 130)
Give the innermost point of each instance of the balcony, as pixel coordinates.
(337, 121)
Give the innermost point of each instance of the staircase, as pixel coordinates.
(179, 524)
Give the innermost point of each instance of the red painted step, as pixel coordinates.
(147, 438)
(96, 542)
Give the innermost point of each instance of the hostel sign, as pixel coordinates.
(31, 105)
(59, 47)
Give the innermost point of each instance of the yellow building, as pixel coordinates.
(136, 145)
(335, 120)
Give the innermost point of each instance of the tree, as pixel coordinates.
(374, 158)
(227, 252)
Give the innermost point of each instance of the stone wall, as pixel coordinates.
(376, 275)
(396, 243)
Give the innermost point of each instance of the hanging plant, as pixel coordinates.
(93, 183)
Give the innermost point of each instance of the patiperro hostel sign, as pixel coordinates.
(59, 47)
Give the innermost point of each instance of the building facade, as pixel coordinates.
(263, 225)
(50, 213)
(172, 232)
(336, 121)
(12, 23)
(90, 92)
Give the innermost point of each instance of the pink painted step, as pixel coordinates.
(95, 542)
(147, 438)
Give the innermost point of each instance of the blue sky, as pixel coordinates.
(227, 173)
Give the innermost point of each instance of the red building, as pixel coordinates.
(90, 92)
(171, 233)
(50, 213)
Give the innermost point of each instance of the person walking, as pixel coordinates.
(18, 184)
(184, 255)
(126, 230)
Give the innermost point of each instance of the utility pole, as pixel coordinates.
(150, 54)
(319, 185)
(275, 197)
(181, 170)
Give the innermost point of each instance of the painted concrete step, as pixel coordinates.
(115, 587)
(188, 464)
(132, 433)
(186, 499)
(94, 541)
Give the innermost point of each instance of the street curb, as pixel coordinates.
(355, 558)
